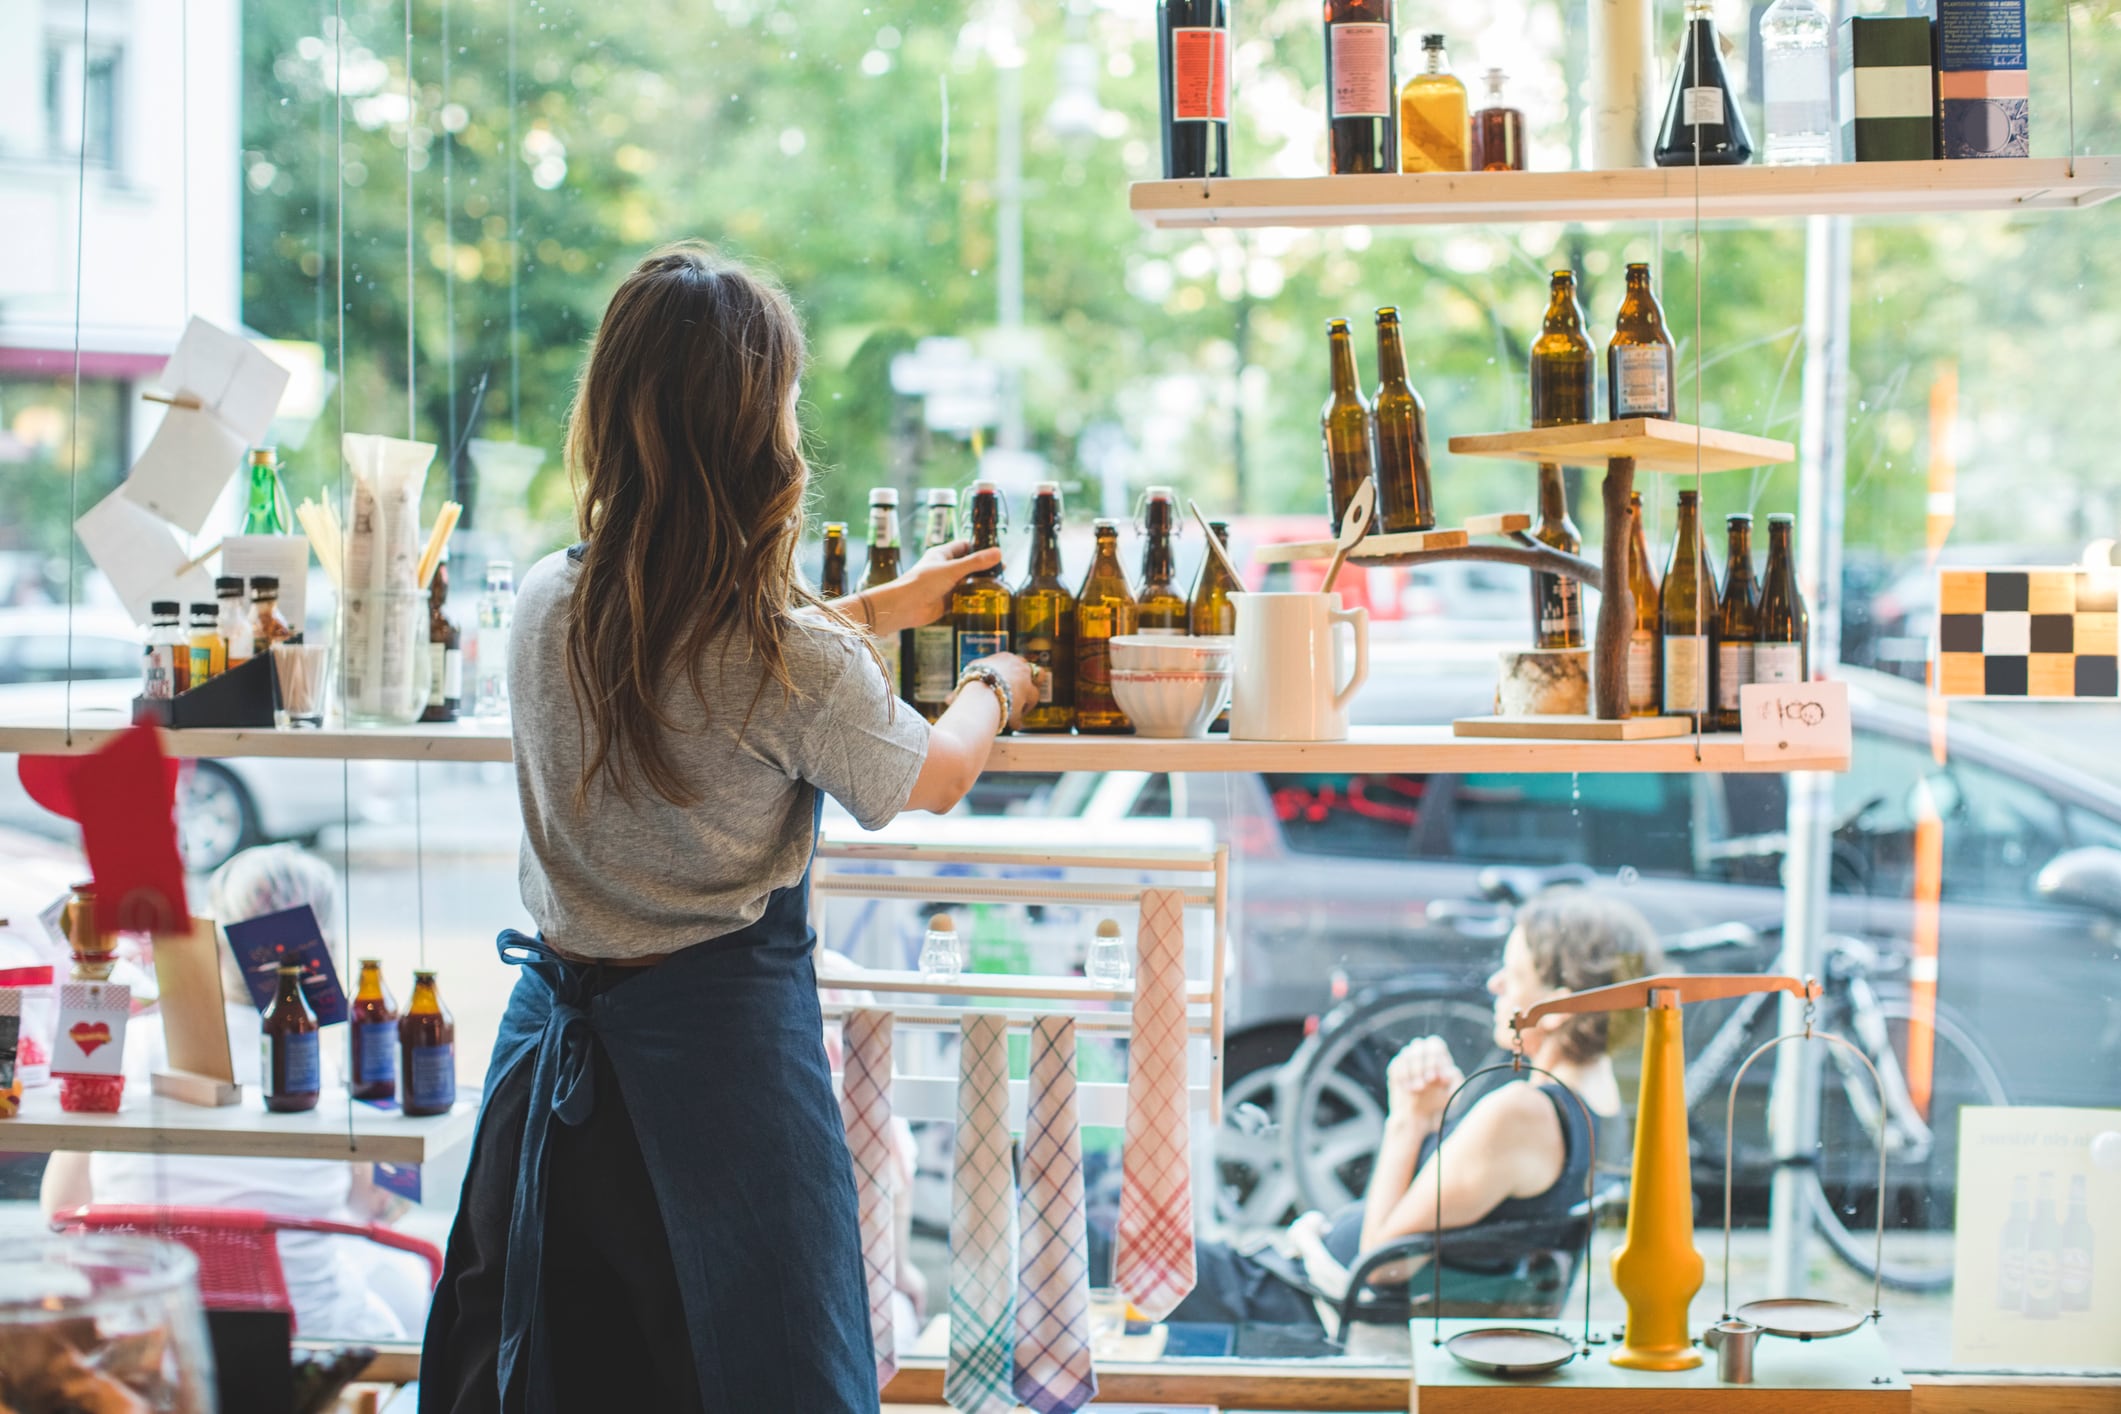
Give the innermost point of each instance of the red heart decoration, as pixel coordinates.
(90, 1034)
(49, 781)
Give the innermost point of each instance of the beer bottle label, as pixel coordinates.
(1778, 662)
(1038, 652)
(1200, 75)
(375, 1052)
(300, 1071)
(431, 1076)
(1560, 612)
(1686, 688)
(934, 662)
(1362, 70)
(1642, 380)
(1642, 671)
(972, 646)
(1734, 669)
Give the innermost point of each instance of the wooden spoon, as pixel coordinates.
(1354, 522)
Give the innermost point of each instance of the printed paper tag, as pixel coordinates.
(92, 1018)
(1794, 721)
(261, 944)
(401, 1179)
(1704, 106)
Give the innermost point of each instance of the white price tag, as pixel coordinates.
(1796, 721)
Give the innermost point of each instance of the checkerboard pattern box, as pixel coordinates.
(2030, 633)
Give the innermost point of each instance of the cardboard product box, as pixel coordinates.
(1984, 101)
(1888, 90)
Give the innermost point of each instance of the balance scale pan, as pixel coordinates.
(1802, 1318)
(1511, 1350)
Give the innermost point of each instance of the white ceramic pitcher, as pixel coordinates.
(1286, 681)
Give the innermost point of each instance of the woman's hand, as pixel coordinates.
(922, 594)
(1022, 680)
(1419, 1082)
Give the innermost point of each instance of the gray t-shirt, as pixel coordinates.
(632, 874)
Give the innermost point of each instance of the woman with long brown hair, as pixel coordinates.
(659, 1211)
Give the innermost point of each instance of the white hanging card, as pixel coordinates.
(141, 555)
(1794, 721)
(236, 387)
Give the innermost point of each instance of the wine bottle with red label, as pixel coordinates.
(1362, 124)
(1193, 63)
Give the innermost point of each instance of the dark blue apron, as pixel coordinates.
(720, 1059)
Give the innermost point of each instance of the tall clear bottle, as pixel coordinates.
(1737, 621)
(1104, 610)
(1344, 424)
(1400, 427)
(882, 567)
(981, 605)
(1781, 653)
(1640, 366)
(497, 613)
(1557, 600)
(929, 653)
(1645, 651)
(1564, 365)
(1434, 132)
(1045, 618)
(1193, 62)
(1797, 84)
(1161, 604)
(1702, 120)
(1687, 618)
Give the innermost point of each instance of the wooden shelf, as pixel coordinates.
(1573, 728)
(1379, 548)
(151, 1124)
(1656, 445)
(1634, 194)
(456, 741)
(1412, 749)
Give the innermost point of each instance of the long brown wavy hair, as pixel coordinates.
(690, 486)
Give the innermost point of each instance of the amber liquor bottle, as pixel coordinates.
(1737, 622)
(427, 1051)
(1498, 132)
(1564, 367)
(372, 1024)
(1193, 62)
(1045, 618)
(290, 1067)
(1400, 429)
(1104, 610)
(1362, 131)
(1344, 424)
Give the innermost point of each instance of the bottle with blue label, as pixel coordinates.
(373, 1022)
(427, 1051)
(981, 607)
(290, 1067)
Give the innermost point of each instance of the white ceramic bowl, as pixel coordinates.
(1140, 651)
(1170, 702)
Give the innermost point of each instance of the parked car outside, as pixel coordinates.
(222, 806)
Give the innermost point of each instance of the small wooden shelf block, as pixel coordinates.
(1370, 547)
(1654, 444)
(1574, 728)
(1632, 194)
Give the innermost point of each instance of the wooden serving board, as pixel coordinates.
(1370, 547)
(1655, 445)
(1850, 1374)
(1574, 728)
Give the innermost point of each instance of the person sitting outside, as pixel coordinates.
(1520, 1154)
(340, 1287)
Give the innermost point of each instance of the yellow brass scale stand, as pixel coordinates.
(1657, 1269)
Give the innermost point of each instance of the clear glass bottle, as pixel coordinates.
(233, 621)
(928, 654)
(1433, 131)
(1498, 132)
(268, 624)
(1797, 84)
(1107, 965)
(497, 611)
(208, 650)
(941, 958)
(165, 666)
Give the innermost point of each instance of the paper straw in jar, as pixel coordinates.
(438, 540)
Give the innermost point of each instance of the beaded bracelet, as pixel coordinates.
(980, 672)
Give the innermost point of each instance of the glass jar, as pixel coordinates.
(103, 1321)
(383, 661)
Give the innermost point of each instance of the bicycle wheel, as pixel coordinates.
(1919, 1188)
(1333, 1112)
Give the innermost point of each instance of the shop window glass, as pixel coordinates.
(1606, 821)
(1364, 816)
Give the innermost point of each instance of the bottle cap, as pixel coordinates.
(884, 496)
(264, 456)
(1689, 497)
(985, 488)
(1388, 314)
(1336, 326)
(1045, 488)
(1159, 493)
(942, 923)
(941, 495)
(835, 527)
(227, 584)
(1108, 927)
(1642, 265)
(1432, 41)
(287, 967)
(1782, 518)
(198, 608)
(1104, 525)
(166, 608)
(265, 584)
(1738, 518)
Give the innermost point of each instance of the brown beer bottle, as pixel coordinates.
(372, 1022)
(290, 1067)
(1104, 610)
(1211, 611)
(832, 583)
(1161, 603)
(1557, 599)
(882, 567)
(1564, 368)
(427, 1051)
(980, 605)
(1639, 361)
(1737, 622)
(1345, 424)
(1644, 676)
(1401, 425)
(1045, 618)
(1783, 653)
(1686, 617)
